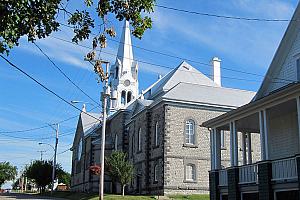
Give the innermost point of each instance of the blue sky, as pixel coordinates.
(241, 45)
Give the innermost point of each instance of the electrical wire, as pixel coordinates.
(225, 16)
(64, 74)
(46, 88)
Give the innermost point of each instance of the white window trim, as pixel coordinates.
(190, 172)
(190, 132)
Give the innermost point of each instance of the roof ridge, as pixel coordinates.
(242, 90)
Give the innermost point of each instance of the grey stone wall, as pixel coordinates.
(177, 154)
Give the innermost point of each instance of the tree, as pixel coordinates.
(41, 172)
(119, 169)
(38, 19)
(64, 177)
(7, 172)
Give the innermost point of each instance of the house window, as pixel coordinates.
(139, 140)
(223, 140)
(156, 172)
(190, 132)
(190, 172)
(156, 134)
(116, 142)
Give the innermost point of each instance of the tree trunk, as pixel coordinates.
(123, 190)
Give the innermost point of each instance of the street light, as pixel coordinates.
(83, 102)
(41, 143)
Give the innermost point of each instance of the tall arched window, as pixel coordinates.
(116, 142)
(139, 140)
(123, 97)
(129, 96)
(190, 132)
(156, 134)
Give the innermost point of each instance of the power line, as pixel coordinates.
(173, 56)
(225, 16)
(64, 74)
(168, 67)
(46, 88)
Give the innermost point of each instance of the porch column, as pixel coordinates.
(244, 148)
(212, 151)
(298, 114)
(217, 144)
(263, 134)
(249, 148)
(233, 145)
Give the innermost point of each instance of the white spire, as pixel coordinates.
(125, 54)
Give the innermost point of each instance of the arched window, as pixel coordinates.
(129, 96)
(139, 140)
(116, 142)
(190, 132)
(79, 149)
(190, 172)
(123, 97)
(156, 134)
(156, 171)
(117, 72)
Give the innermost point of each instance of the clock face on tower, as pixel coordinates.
(127, 83)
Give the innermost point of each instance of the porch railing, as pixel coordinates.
(223, 180)
(248, 174)
(284, 169)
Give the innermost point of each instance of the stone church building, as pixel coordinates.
(159, 128)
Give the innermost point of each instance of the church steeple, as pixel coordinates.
(124, 73)
(125, 55)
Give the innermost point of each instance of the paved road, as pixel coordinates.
(24, 196)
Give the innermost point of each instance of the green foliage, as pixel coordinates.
(41, 172)
(38, 19)
(7, 172)
(31, 18)
(118, 168)
(64, 177)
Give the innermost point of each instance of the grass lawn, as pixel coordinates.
(84, 196)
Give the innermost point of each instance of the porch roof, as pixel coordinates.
(279, 96)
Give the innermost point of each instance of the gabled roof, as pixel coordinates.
(140, 104)
(89, 122)
(184, 73)
(209, 95)
(279, 58)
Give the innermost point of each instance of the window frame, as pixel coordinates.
(156, 142)
(116, 142)
(139, 140)
(189, 144)
(156, 171)
(193, 172)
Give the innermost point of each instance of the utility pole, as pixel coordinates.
(104, 76)
(41, 154)
(54, 158)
